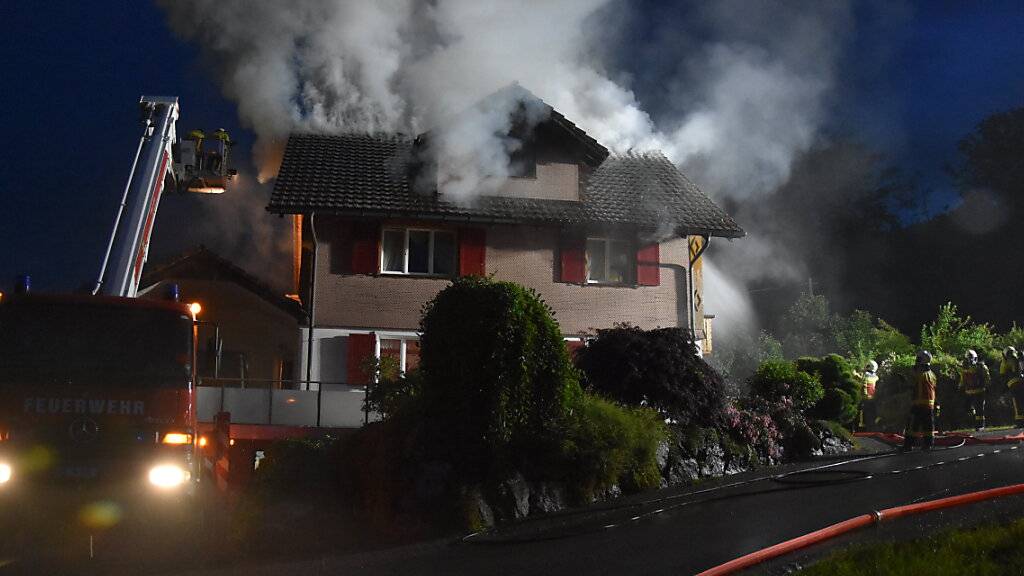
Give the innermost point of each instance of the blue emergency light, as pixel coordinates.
(172, 292)
(22, 284)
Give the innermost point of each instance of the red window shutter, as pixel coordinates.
(648, 271)
(573, 346)
(360, 347)
(472, 252)
(574, 260)
(365, 248)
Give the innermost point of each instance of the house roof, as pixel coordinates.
(364, 175)
(201, 263)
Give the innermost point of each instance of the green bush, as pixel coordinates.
(393, 391)
(955, 334)
(282, 459)
(776, 379)
(862, 337)
(843, 389)
(497, 376)
(607, 444)
(658, 368)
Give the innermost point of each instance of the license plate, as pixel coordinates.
(80, 472)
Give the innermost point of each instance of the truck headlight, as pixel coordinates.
(168, 476)
(5, 473)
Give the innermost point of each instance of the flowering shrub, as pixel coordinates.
(752, 424)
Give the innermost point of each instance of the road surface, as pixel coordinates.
(684, 531)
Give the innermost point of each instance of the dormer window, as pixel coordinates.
(417, 251)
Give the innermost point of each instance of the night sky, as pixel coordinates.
(911, 86)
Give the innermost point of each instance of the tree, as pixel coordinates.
(809, 327)
(955, 334)
(993, 157)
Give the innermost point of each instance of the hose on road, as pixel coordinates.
(856, 523)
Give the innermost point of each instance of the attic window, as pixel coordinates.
(522, 163)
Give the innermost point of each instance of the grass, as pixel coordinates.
(987, 429)
(984, 551)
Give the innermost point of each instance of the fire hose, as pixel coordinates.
(856, 523)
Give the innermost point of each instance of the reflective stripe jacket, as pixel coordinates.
(1009, 370)
(924, 387)
(870, 381)
(974, 378)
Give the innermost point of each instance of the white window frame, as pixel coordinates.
(405, 252)
(607, 242)
(403, 341)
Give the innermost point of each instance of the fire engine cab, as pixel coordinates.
(99, 388)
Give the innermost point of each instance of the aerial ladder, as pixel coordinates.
(162, 162)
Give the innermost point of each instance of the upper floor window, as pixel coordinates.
(609, 261)
(418, 251)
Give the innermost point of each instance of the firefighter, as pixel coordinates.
(1010, 369)
(922, 410)
(868, 410)
(974, 381)
(216, 154)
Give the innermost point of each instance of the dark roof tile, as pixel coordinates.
(369, 175)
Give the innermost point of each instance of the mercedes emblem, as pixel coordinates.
(84, 430)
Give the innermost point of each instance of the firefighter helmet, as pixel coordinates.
(871, 366)
(971, 357)
(924, 357)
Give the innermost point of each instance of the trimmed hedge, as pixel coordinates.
(497, 379)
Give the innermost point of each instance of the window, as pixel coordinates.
(406, 351)
(413, 251)
(522, 162)
(609, 261)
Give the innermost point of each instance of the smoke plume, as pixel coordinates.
(731, 100)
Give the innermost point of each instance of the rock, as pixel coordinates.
(735, 466)
(608, 493)
(683, 471)
(547, 497)
(713, 460)
(661, 455)
(513, 498)
(833, 445)
(479, 508)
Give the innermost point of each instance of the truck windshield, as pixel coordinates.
(97, 345)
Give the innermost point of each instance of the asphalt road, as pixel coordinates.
(686, 531)
(675, 531)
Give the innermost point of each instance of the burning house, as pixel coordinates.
(382, 222)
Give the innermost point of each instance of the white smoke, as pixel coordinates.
(751, 88)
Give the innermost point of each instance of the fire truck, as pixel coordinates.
(98, 389)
